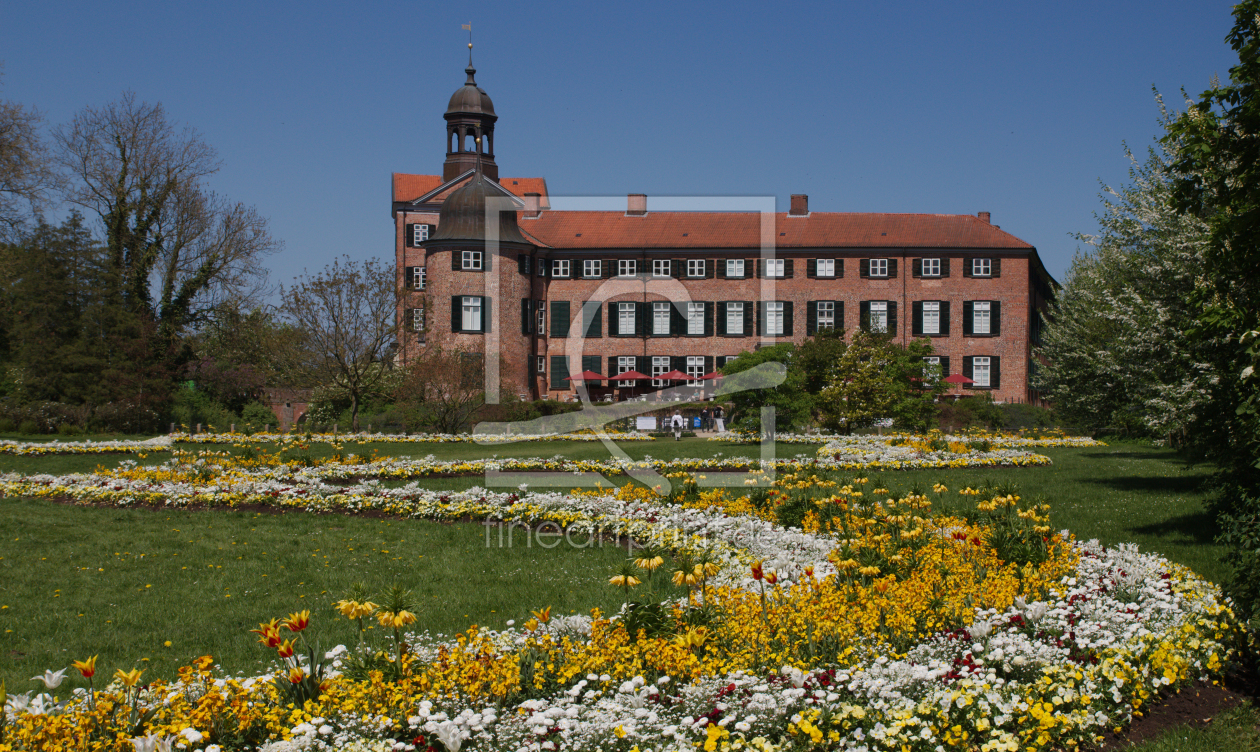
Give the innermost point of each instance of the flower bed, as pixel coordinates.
(44, 448)
(997, 440)
(885, 624)
(362, 437)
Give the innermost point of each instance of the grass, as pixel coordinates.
(1235, 730)
(77, 581)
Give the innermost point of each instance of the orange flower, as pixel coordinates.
(87, 668)
(270, 632)
(809, 571)
(297, 621)
(772, 578)
(757, 574)
(204, 662)
(285, 649)
(296, 675)
(543, 616)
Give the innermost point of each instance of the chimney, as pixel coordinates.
(532, 201)
(636, 204)
(800, 205)
(984, 217)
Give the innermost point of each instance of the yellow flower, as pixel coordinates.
(128, 678)
(397, 620)
(621, 580)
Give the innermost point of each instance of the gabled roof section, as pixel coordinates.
(425, 189)
(581, 230)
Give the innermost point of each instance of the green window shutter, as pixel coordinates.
(811, 314)
(677, 319)
(456, 260)
(944, 317)
(966, 265)
(892, 317)
(527, 316)
(995, 317)
(864, 268)
(945, 267)
(748, 318)
(966, 369)
(720, 322)
(997, 267)
(968, 314)
(761, 317)
(708, 319)
(559, 371)
(642, 321)
(787, 269)
(864, 314)
(945, 366)
(811, 268)
(995, 372)
(916, 317)
(456, 309)
(839, 315)
(485, 313)
(916, 268)
(839, 268)
(892, 268)
(560, 318)
(591, 363)
(592, 322)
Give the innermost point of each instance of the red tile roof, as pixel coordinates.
(590, 230)
(411, 187)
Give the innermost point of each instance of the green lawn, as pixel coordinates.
(78, 581)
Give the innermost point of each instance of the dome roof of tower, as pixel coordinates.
(470, 98)
(463, 214)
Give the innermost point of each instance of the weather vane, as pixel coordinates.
(468, 28)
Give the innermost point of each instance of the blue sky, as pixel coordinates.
(1014, 108)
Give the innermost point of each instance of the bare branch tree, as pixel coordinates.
(442, 389)
(145, 178)
(347, 313)
(26, 173)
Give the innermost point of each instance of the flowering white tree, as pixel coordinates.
(1120, 339)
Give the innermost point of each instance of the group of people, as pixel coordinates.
(711, 419)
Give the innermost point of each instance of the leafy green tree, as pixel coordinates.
(792, 403)
(817, 357)
(1122, 350)
(876, 379)
(1217, 143)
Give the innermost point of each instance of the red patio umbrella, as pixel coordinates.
(957, 378)
(586, 376)
(630, 376)
(712, 375)
(674, 375)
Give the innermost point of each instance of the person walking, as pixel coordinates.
(677, 423)
(704, 419)
(719, 419)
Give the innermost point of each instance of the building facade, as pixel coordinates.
(547, 294)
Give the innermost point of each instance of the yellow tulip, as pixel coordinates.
(128, 678)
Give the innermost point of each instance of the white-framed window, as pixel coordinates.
(627, 268)
(825, 268)
(774, 318)
(981, 321)
(471, 261)
(560, 268)
(660, 318)
(540, 313)
(931, 267)
(541, 364)
(525, 264)
(419, 234)
(826, 314)
(774, 268)
(660, 365)
(933, 360)
(695, 318)
(625, 319)
(695, 267)
(734, 318)
(592, 269)
(931, 317)
(982, 267)
(735, 268)
(879, 316)
(660, 267)
(417, 319)
(625, 363)
(879, 267)
(695, 369)
(417, 277)
(980, 370)
(471, 319)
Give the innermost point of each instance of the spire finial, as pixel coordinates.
(471, 70)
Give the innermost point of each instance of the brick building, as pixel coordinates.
(550, 293)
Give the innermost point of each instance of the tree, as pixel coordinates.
(145, 179)
(876, 379)
(791, 402)
(817, 358)
(1217, 167)
(347, 314)
(442, 389)
(26, 173)
(1121, 347)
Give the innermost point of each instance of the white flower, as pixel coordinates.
(192, 735)
(152, 743)
(51, 679)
